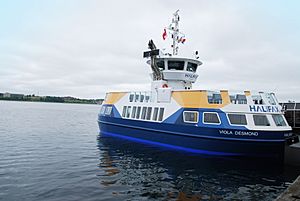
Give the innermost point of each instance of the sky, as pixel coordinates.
(84, 48)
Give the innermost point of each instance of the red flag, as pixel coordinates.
(164, 35)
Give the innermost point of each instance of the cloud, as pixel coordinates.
(85, 48)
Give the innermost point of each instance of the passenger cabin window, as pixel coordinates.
(191, 67)
(175, 65)
(102, 110)
(161, 114)
(124, 111)
(260, 120)
(128, 111)
(214, 98)
(138, 112)
(211, 118)
(144, 113)
(137, 97)
(155, 114)
(131, 96)
(257, 100)
(190, 116)
(133, 112)
(241, 99)
(147, 98)
(279, 120)
(108, 110)
(142, 97)
(237, 119)
(149, 110)
(160, 64)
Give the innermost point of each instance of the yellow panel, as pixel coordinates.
(113, 97)
(198, 99)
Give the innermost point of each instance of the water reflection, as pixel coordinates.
(137, 172)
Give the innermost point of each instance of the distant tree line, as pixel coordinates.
(55, 99)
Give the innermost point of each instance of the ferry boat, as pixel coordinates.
(174, 115)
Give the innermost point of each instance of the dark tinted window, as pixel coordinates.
(214, 98)
(124, 111)
(211, 118)
(191, 67)
(133, 112)
(128, 111)
(144, 113)
(261, 120)
(237, 119)
(298, 106)
(160, 64)
(190, 117)
(175, 65)
(149, 110)
(131, 97)
(161, 114)
(155, 114)
(138, 112)
(289, 106)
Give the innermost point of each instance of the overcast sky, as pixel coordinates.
(84, 48)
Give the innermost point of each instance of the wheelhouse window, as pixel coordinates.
(190, 116)
(124, 111)
(155, 114)
(108, 110)
(211, 118)
(191, 67)
(160, 64)
(261, 120)
(237, 119)
(279, 120)
(175, 65)
(161, 114)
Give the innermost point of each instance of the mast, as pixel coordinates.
(174, 28)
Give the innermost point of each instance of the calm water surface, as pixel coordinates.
(53, 152)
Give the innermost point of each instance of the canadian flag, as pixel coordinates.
(164, 35)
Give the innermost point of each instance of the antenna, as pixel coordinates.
(175, 34)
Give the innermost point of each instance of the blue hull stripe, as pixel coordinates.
(198, 151)
(191, 135)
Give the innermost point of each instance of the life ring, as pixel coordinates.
(165, 86)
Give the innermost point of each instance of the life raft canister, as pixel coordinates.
(165, 86)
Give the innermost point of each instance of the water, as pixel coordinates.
(53, 152)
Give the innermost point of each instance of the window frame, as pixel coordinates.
(209, 122)
(124, 112)
(194, 122)
(261, 115)
(231, 124)
(108, 108)
(284, 120)
(161, 114)
(102, 110)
